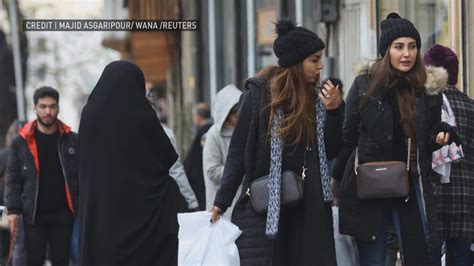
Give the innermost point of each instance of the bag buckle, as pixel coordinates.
(248, 192)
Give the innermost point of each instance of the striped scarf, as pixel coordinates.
(276, 149)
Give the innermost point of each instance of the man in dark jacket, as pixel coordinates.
(41, 181)
(193, 162)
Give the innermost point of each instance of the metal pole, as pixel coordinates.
(20, 99)
(212, 50)
(299, 12)
(250, 38)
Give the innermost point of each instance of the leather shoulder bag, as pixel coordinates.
(291, 189)
(386, 179)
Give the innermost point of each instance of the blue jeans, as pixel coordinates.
(75, 243)
(392, 246)
(373, 253)
(460, 250)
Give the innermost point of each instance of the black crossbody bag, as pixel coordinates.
(291, 189)
(386, 179)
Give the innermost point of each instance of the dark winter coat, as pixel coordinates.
(456, 199)
(193, 166)
(129, 202)
(3, 167)
(21, 187)
(3, 161)
(377, 134)
(249, 156)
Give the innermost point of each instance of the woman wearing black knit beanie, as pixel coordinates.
(393, 113)
(288, 125)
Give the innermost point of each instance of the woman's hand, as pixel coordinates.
(216, 214)
(442, 138)
(445, 134)
(330, 95)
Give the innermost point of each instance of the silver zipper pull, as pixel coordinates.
(303, 174)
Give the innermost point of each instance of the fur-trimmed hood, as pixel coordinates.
(436, 79)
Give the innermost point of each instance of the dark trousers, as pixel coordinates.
(373, 253)
(53, 230)
(458, 249)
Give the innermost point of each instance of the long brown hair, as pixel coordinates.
(385, 76)
(289, 89)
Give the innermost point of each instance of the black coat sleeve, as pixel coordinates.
(333, 132)
(14, 179)
(234, 169)
(350, 129)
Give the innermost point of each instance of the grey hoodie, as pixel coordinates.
(217, 142)
(177, 173)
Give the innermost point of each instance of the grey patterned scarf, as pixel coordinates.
(276, 149)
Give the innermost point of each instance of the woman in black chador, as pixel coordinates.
(128, 202)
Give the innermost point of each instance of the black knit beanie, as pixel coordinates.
(293, 44)
(395, 27)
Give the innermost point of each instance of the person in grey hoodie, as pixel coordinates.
(179, 175)
(218, 139)
(177, 170)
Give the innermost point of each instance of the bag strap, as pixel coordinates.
(409, 154)
(305, 162)
(356, 162)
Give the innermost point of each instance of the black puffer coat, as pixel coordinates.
(378, 138)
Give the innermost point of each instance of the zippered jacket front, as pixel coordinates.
(23, 171)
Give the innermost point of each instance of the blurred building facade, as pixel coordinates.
(158, 53)
(237, 36)
(68, 61)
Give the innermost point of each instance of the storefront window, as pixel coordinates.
(429, 16)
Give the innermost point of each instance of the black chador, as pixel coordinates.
(128, 202)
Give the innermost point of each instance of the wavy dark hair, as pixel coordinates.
(385, 77)
(289, 89)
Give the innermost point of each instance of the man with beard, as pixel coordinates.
(41, 181)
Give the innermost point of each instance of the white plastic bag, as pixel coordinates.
(203, 243)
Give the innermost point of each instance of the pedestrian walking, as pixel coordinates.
(129, 203)
(455, 198)
(42, 181)
(18, 255)
(216, 147)
(393, 113)
(346, 248)
(179, 175)
(287, 122)
(193, 163)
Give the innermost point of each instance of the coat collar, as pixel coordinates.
(29, 129)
